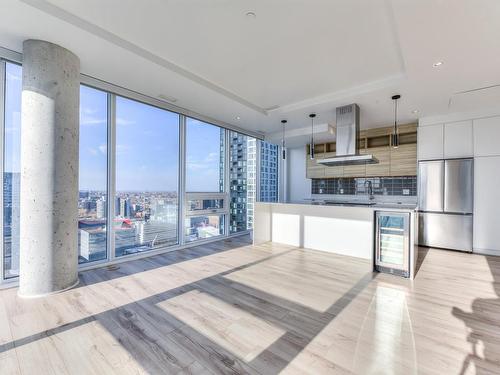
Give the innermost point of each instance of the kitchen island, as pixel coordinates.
(346, 229)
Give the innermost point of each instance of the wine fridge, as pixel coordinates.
(392, 246)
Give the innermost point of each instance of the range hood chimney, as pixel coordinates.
(347, 140)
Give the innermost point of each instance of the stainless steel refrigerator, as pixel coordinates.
(445, 203)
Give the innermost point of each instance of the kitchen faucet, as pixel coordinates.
(370, 189)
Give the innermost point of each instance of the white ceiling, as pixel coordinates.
(293, 58)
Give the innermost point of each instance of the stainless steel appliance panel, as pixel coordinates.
(458, 186)
(431, 185)
(445, 230)
(347, 121)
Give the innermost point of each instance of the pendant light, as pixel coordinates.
(283, 140)
(395, 133)
(312, 116)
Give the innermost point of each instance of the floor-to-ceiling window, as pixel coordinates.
(205, 180)
(12, 168)
(147, 177)
(129, 176)
(93, 190)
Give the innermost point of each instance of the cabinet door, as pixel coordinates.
(355, 170)
(430, 142)
(404, 160)
(486, 204)
(336, 171)
(458, 141)
(383, 167)
(313, 169)
(487, 136)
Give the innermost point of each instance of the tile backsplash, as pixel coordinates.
(404, 185)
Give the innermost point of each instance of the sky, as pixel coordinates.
(147, 143)
(147, 147)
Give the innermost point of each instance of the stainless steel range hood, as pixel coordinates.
(347, 137)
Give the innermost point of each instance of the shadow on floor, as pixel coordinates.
(483, 322)
(152, 262)
(422, 253)
(161, 343)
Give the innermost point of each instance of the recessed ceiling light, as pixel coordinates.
(238, 118)
(415, 111)
(437, 63)
(250, 14)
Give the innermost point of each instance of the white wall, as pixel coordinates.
(298, 186)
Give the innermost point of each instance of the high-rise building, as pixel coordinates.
(238, 178)
(222, 163)
(243, 178)
(123, 207)
(154, 233)
(11, 200)
(269, 172)
(101, 208)
(251, 179)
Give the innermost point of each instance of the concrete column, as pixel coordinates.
(49, 169)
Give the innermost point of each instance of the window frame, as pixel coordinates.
(206, 196)
(10, 58)
(112, 166)
(109, 117)
(2, 150)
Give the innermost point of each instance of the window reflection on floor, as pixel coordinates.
(387, 324)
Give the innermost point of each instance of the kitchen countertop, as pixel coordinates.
(358, 204)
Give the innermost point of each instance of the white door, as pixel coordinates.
(487, 205)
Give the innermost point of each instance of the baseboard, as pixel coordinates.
(486, 251)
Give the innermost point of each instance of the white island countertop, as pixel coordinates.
(340, 228)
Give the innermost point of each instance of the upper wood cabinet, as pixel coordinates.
(392, 162)
(403, 160)
(458, 140)
(430, 142)
(383, 167)
(354, 170)
(313, 169)
(487, 136)
(337, 171)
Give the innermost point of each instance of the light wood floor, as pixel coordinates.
(232, 308)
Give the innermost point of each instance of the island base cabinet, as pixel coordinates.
(487, 205)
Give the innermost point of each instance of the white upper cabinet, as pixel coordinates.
(487, 136)
(458, 142)
(430, 142)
